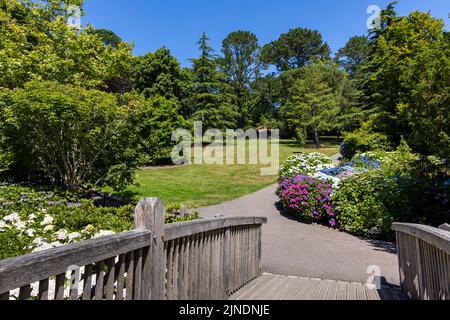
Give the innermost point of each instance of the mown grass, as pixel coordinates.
(203, 185)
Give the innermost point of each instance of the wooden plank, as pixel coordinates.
(74, 284)
(251, 288)
(99, 279)
(130, 275)
(247, 288)
(259, 250)
(361, 292)
(43, 290)
(184, 229)
(323, 290)
(351, 293)
(227, 261)
(200, 294)
(87, 282)
(59, 286)
(436, 237)
(25, 292)
(186, 268)
(214, 291)
(181, 270)
(295, 288)
(31, 268)
(286, 290)
(121, 277)
(313, 290)
(137, 281)
(255, 294)
(332, 291)
(272, 290)
(149, 215)
(170, 266)
(342, 291)
(110, 279)
(176, 275)
(372, 294)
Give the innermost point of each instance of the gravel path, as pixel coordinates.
(296, 249)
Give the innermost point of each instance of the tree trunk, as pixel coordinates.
(317, 138)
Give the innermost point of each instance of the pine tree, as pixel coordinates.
(213, 100)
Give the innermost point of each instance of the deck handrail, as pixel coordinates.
(183, 229)
(424, 261)
(201, 259)
(30, 268)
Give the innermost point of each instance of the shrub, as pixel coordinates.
(363, 140)
(35, 218)
(305, 164)
(12, 244)
(308, 198)
(368, 204)
(406, 188)
(67, 135)
(155, 121)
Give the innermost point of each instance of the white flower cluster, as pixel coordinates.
(41, 232)
(305, 164)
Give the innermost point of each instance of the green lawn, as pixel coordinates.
(202, 185)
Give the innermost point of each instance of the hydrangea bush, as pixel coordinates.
(308, 198)
(305, 164)
(310, 187)
(366, 195)
(33, 219)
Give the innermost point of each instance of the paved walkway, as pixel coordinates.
(311, 251)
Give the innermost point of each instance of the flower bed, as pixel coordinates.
(308, 198)
(366, 195)
(34, 218)
(308, 183)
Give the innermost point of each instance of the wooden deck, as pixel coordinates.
(274, 287)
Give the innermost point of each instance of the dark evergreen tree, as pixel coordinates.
(241, 64)
(212, 95)
(160, 74)
(353, 54)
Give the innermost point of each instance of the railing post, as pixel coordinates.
(260, 250)
(227, 262)
(149, 215)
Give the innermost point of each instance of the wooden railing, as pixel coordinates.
(424, 258)
(203, 259)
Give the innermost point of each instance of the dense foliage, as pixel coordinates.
(67, 135)
(35, 218)
(366, 195)
(308, 198)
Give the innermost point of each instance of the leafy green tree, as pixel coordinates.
(312, 104)
(295, 49)
(406, 82)
(36, 42)
(67, 135)
(108, 37)
(160, 74)
(155, 120)
(353, 54)
(212, 95)
(265, 113)
(241, 64)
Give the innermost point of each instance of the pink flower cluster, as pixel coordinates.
(308, 198)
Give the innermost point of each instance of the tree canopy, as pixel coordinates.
(295, 49)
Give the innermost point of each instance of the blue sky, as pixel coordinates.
(151, 24)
